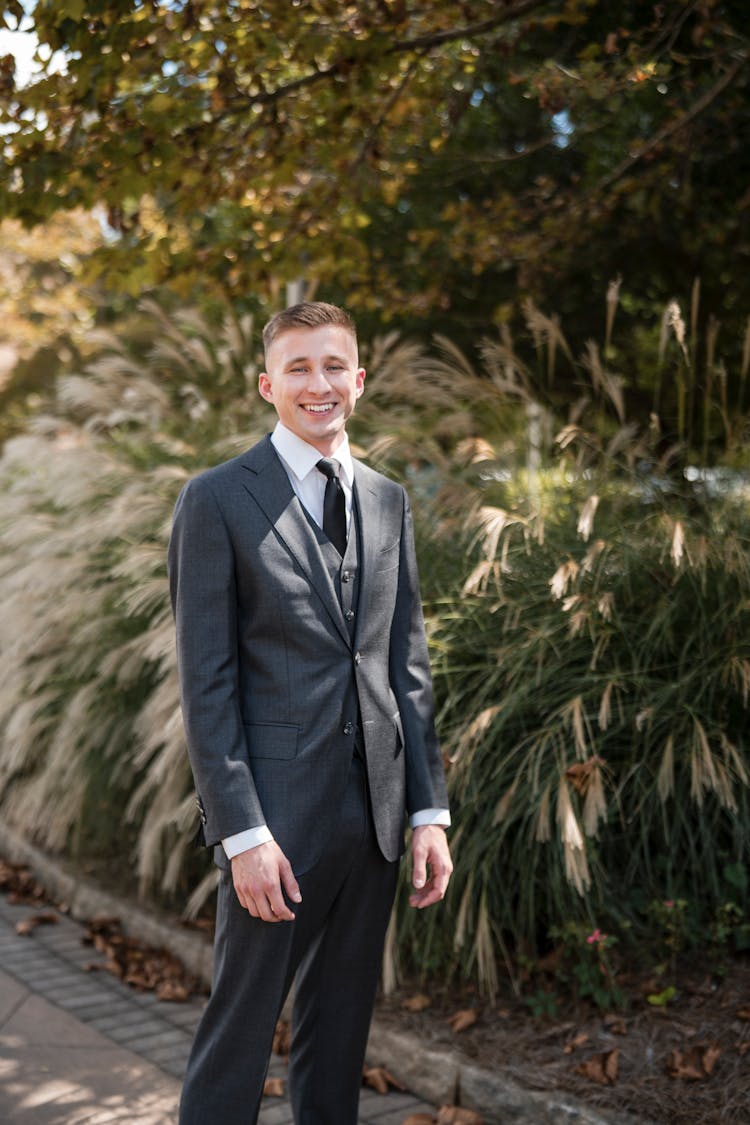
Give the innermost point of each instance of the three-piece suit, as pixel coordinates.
(307, 704)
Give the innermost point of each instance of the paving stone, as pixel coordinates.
(166, 1037)
(185, 1017)
(73, 997)
(280, 1114)
(126, 1017)
(132, 1033)
(177, 1053)
(176, 1068)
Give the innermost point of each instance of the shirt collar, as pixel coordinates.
(302, 457)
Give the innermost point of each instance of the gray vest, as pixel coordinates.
(346, 580)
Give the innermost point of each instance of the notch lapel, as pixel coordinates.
(370, 512)
(271, 490)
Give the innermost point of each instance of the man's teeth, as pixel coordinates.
(320, 409)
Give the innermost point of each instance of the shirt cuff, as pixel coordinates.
(430, 816)
(243, 841)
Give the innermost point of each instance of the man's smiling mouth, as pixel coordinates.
(323, 408)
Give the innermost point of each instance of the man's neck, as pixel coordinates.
(324, 448)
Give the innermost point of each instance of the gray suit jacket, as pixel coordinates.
(266, 661)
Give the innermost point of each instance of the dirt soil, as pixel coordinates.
(686, 1063)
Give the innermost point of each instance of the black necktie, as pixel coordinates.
(334, 505)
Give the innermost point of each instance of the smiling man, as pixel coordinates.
(308, 710)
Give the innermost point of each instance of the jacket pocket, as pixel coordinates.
(272, 740)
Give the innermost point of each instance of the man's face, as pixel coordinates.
(313, 380)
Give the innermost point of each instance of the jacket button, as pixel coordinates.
(349, 615)
(345, 575)
(357, 658)
(348, 728)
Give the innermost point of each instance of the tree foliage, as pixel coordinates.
(418, 158)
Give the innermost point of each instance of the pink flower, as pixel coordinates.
(669, 903)
(597, 936)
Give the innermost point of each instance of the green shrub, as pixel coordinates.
(587, 594)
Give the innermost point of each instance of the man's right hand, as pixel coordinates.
(259, 875)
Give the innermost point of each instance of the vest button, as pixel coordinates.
(345, 575)
(357, 658)
(348, 728)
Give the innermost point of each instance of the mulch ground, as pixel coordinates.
(685, 1063)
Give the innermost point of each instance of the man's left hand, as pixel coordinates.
(430, 854)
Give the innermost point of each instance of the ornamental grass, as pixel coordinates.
(587, 593)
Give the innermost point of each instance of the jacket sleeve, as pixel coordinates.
(411, 682)
(202, 583)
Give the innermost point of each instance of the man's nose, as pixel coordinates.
(317, 381)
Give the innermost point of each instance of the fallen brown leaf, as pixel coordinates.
(576, 1041)
(696, 1063)
(20, 885)
(602, 1068)
(685, 1065)
(462, 1019)
(419, 1119)
(27, 925)
(710, 1057)
(142, 966)
(743, 1013)
(615, 1025)
(455, 1115)
(380, 1079)
(416, 1003)
(273, 1088)
(172, 990)
(282, 1038)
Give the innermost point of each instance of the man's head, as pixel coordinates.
(312, 376)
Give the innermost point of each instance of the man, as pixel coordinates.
(308, 711)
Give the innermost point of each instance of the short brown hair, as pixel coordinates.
(308, 314)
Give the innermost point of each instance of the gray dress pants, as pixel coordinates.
(333, 949)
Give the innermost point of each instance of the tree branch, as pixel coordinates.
(421, 43)
(673, 127)
(390, 103)
(468, 31)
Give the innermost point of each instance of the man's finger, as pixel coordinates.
(275, 910)
(291, 886)
(431, 893)
(278, 911)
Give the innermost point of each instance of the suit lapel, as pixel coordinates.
(269, 487)
(370, 512)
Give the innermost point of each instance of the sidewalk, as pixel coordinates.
(82, 1048)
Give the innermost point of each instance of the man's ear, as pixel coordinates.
(264, 386)
(360, 381)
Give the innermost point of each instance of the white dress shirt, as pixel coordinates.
(309, 484)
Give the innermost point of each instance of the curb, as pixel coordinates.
(438, 1077)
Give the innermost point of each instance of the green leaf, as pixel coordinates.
(661, 999)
